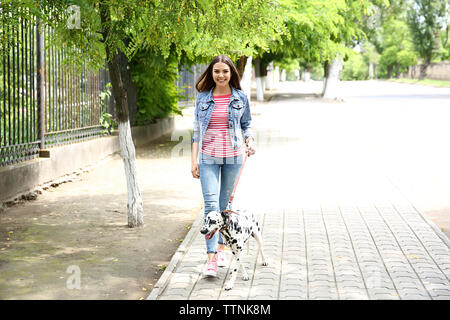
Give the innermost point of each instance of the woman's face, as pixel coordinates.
(221, 74)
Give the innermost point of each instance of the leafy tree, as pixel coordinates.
(426, 19)
(371, 57)
(313, 26)
(445, 43)
(155, 79)
(196, 29)
(320, 30)
(398, 49)
(201, 30)
(355, 68)
(383, 11)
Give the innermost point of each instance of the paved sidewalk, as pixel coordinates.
(387, 252)
(334, 225)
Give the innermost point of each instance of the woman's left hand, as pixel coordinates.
(250, 146)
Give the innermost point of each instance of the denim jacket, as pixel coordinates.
(239, 117)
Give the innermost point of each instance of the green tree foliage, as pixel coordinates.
(383, 11)
(426, 19)
(398, 48)
(288, 64)
(404, 31)
(314, 29)
(355, 68)
(155, 77)
(203, 29)
(158, 27)
(445, 43)
(320, 30)
(12, 12)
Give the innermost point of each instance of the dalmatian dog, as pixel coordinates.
(236, 228)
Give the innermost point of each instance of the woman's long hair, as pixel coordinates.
(206, 81)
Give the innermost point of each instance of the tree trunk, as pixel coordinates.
(326, 69)
(283, 75)
(306, 74)
(423, 68)
(242, 62)
(246, 79)
(135, 208)
(371, 70)
(127, 150)
(331, 85)
(259, 80)
(276, 77)
(269, 77)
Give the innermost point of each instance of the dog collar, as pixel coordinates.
(228, 218)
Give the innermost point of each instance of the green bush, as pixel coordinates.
(317, 72)
(355, 68)
(155, 79)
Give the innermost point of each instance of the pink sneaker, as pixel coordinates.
(221, 258)
(211, 269)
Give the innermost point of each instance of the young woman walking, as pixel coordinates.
(221, 136)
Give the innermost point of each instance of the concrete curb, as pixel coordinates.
(176, 258)
(436, 229)
(425, 218)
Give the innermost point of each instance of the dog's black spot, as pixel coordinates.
(234, 241)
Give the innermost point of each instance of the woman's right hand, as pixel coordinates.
(195, 171)
(194, 163)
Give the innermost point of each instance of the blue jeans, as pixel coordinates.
(216, 194)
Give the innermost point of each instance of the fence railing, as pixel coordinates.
(188, 76)
(44, 102)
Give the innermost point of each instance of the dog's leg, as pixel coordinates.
(234, 269)
(245, 276)
(258, 237)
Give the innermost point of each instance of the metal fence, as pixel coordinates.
(186, 82)
(44, 102)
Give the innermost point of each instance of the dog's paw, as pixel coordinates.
(245, 278)
(265, 263)
(228, 287)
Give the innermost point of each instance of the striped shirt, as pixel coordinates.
(216, 141)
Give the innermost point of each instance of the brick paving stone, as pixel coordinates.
(378, 252)
(442, 297)
(328, 234)
(386, 297)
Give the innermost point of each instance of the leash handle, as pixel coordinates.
(237, 181)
